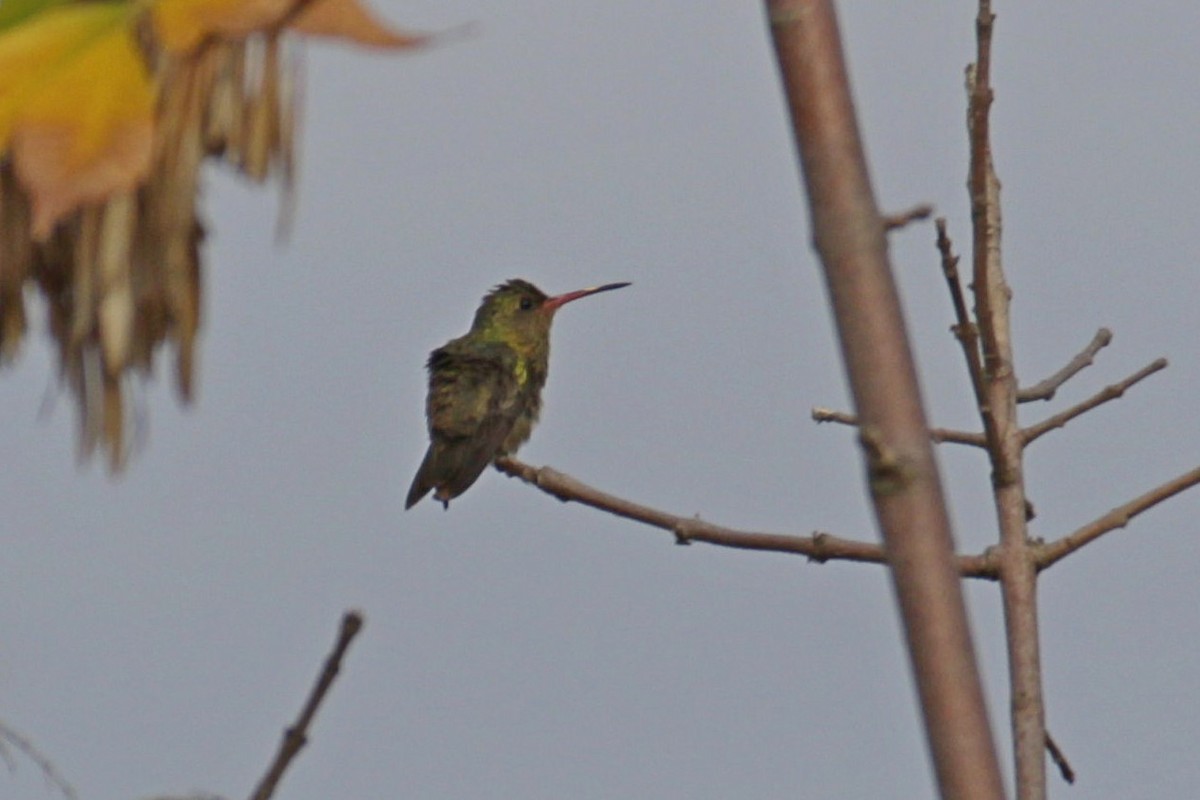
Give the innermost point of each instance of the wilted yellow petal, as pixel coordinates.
(183, 24)
(349, 19)
(76, 107)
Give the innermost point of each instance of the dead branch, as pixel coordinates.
(893, 222)
(1045, 389)
(818, 548)
(11, 738)
(936, 435)
(1053, 552)
(296, 736)
(1106, 394)
(1060, 759)
(964, 328)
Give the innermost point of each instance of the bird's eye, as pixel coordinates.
(526, 303)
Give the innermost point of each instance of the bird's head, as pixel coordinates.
(519, 314)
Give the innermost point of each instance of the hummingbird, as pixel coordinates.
(485, 387)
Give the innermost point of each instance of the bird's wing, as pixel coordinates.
(472, 405)
(472, 392)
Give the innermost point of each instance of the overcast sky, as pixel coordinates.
(160, 629)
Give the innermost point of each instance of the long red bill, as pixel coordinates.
(562, 299)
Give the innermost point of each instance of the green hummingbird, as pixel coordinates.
(485, 387)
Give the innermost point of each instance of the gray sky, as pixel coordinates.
(161, 629)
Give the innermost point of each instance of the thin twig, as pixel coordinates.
(819, 548)
(1103, 396)
(1044, 390)
(10, 738)
(964, 328)
(938, 435)
(1119, 517)
(983, 185)
(892, 222)
(296, 736)
(1059, 759)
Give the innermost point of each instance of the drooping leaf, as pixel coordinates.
(349, 19)
(101, 166)
(13, 12)
(16, 261)
(183, 24)
(76, 107)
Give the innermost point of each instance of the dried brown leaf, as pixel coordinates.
(349, 19)
(116, 311)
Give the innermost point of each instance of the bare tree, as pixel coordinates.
(849, 238)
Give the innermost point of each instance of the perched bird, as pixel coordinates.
(485, 388)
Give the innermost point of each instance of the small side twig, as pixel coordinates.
(1106, 394)
(296, 736)
(1060, 759)
(964, 328)
(1051, 553)
(892, 222)
(10, 738)
(1045, 389)
(819, 548)
(938, 435)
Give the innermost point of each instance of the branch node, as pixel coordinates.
(295, 738)
(886, 471)
(820, 540)
(682, 531)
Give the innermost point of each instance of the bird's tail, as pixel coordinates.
(422, 483)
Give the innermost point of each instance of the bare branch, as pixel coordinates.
(998, 408)
(1060, 759)
(892, 222)
(819, 548)
(988, 283)
(10, 738)
(1112, 392)
(851, 243)
(296, 736)
(1044, 390)
(1119, 517)
(938, 435)
(964, 328)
